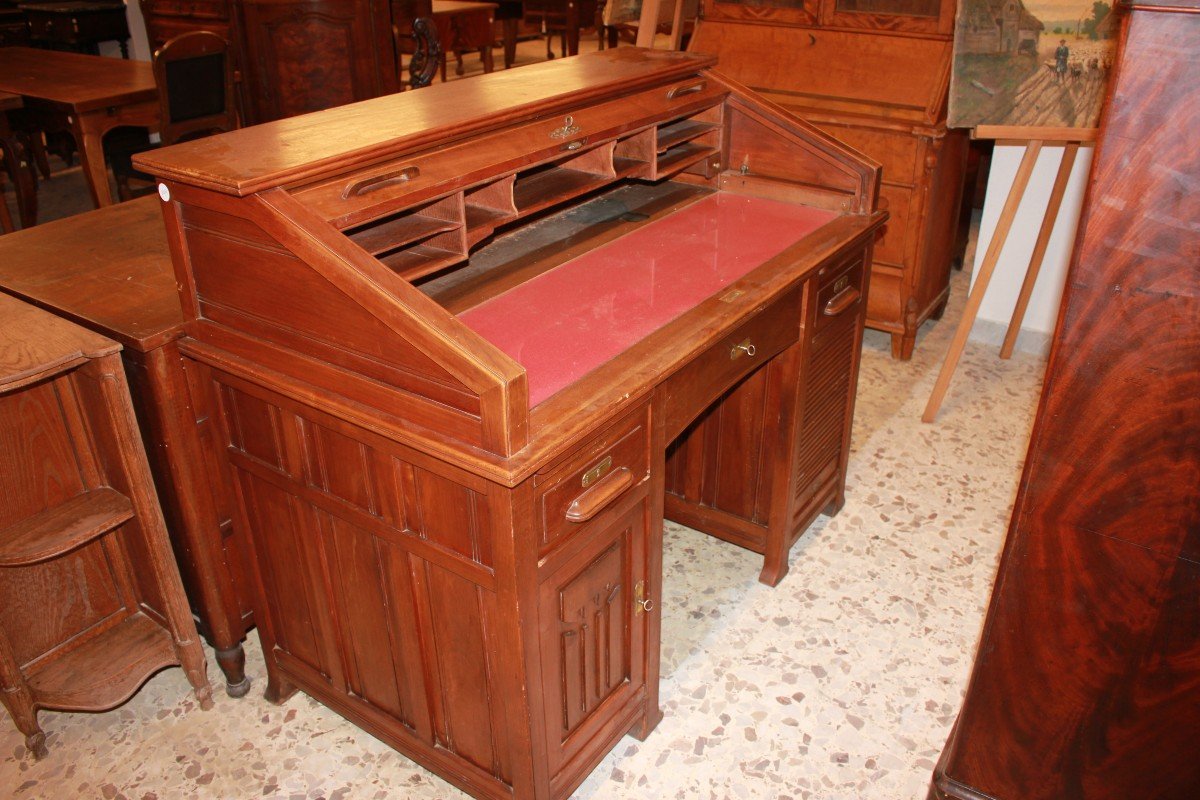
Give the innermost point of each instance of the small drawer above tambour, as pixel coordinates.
(707, 376)
(596, 476)
(839, 293)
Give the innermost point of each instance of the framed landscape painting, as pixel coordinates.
(1036, 63)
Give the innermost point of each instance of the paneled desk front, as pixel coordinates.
(109, 270)
(451, 334)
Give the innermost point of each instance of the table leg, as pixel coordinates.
(89, 130)
(489, 63)
(510, 42)
(19, 166)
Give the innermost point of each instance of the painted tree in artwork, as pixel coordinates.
(1100, 10)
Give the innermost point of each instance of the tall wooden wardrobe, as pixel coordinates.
(1087, 681)
(876, 75)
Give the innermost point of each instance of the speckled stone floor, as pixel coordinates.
(840, 684)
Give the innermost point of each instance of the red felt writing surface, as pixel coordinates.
(570, 320)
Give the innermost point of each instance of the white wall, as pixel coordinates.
(1001, 297)
(139, 46)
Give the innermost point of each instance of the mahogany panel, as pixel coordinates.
(1086, 678)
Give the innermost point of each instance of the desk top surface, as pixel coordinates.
(33, 341)
(570, 320)
(109, 270)
(9, 100)
(82, 82)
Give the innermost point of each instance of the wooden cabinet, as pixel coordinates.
(90, 601)
(291, 56)
(875, 75)
(1085, 683)
(447, 427)
(110, 271)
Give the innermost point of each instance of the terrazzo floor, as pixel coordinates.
(841, 683)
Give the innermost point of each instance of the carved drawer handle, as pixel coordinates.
(841, 301)
(691, 88)
(743, 347)
(589, 503)
(374, 184)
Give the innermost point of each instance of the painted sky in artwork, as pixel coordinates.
(1061, 9)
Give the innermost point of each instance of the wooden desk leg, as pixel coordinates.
(1039, 249)
(485, 53)
(1003, 226)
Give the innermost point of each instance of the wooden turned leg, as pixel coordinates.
(902, 345)
(278, 690)
(232, 662)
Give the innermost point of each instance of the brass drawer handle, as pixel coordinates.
(841, 301)
(600, 494)
(374, 184)
(743, 347)
(692, 88)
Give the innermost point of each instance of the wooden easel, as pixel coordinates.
(1035, 139)
(648, 25)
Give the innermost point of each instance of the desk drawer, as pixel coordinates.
(707, 376)
(596, 476)
(839, 294)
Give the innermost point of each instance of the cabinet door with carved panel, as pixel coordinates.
(307, 56)
(593, 625)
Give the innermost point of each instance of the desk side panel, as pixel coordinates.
(269, 283)
(377, 592)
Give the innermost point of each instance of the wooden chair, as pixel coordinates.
(419, 37)
(195, 98)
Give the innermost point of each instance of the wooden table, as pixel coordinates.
(85, 95)
(15, 161)
(465, 26)
(110, 271)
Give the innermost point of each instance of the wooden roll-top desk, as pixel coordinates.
(450, 335)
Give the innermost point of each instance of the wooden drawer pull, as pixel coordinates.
(373, 184)
(691, 88)
(841, 301)
(600, 494)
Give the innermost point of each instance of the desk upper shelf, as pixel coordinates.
(310, 247)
